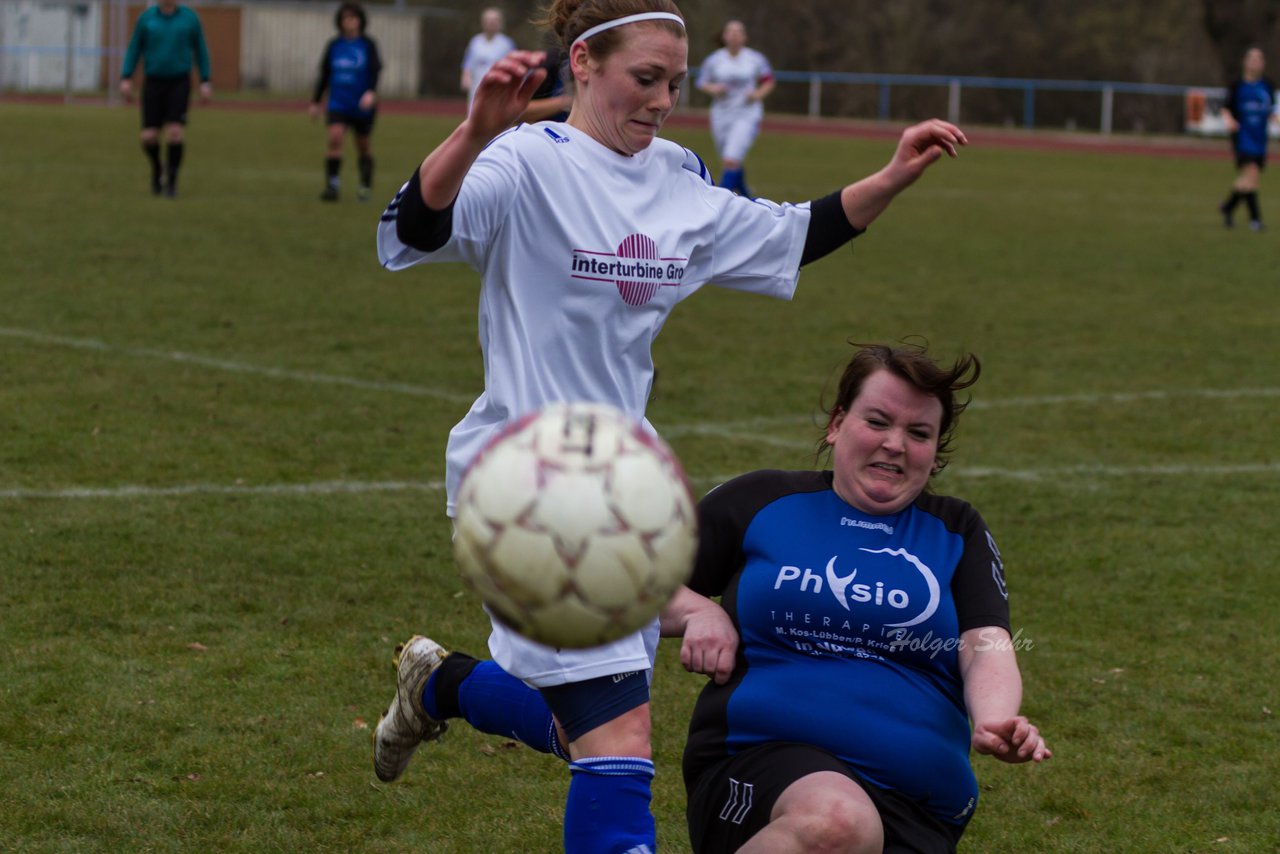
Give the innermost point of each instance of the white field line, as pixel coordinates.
(745, 430)
(323, 488)
(237, 367)
(332, 487)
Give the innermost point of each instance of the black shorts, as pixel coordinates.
(1260, 160)
(732, 800)
(361, 123)
(165, 100)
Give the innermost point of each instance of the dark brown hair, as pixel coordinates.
(913, 364)
(355, 9)
(569, 19)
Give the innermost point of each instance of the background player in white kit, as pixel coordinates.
(738, 79)
(485, 48)
(586, 234)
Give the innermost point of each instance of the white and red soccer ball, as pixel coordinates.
(575, 525)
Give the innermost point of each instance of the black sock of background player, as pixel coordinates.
(1232, 200)
(332, 165)
(152, 150)
(366, 171)
(1251, 200)
(173, 156)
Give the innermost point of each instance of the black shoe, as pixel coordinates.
(157, 186)
(330, 194)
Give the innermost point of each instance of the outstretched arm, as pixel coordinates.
(838, 218)
(993, 694)
(501, 96)
(919, 148)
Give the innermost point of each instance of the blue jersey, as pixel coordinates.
(1251, 104)
(349, 68)
(849, 627)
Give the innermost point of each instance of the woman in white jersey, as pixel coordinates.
(556, 218)
(485, 48)
(738, 79)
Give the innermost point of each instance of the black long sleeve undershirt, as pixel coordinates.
(829, 228)
(426, 229)
(419, 226)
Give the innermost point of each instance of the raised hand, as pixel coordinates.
(505, 91)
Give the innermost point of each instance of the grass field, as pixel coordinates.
(221, 443)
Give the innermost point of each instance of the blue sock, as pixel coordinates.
(495, 702)
(608, 807)
(731, 179)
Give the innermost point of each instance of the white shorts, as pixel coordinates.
(734, 134)
(542, 666)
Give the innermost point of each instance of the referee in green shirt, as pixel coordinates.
(168, 38)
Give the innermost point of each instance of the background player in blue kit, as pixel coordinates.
(874, 626)
(167, 38)
(543, 213)
(738, 79)
(1249, 111)
(349, 69)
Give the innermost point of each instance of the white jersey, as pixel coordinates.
(741, 74)
(480, 56)
(582, 254)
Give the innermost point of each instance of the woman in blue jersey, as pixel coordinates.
(349, 69)
(1249, 110)
(738, 79)
(553, 216)
(873, 626)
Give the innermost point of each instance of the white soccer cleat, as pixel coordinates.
(405, 725)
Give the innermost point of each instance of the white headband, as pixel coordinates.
(629, 19)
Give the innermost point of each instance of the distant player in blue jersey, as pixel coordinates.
(167, 38)
(1249, 109)
(552, 100)
(873, 624)
(349, 69)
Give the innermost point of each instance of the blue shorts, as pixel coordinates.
(582, 706)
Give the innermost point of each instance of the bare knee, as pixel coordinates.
(334, 141)
(626, 735)
(826, 813)
(837, 831)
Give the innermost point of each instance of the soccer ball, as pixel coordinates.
(575, 525)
